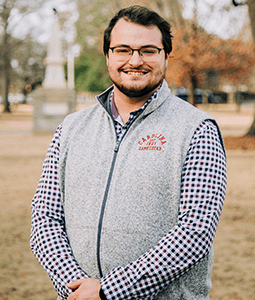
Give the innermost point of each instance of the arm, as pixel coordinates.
(203, 184)
(49, 241)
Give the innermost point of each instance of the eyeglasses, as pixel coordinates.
(124, 53)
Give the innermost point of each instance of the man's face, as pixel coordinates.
(135, 77)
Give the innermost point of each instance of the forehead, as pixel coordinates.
(135, 35)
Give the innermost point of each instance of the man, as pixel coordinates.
(132, 188)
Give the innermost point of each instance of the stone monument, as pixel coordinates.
(53, 101)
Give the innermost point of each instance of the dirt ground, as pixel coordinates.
(21, 158)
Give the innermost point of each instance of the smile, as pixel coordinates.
(136, 73)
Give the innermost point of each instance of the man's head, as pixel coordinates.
(143, 16)
(137, 44)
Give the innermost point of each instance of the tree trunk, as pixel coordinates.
(251, 7)
(6, 86)
(252, 129)
(193, 89)
(5, 54)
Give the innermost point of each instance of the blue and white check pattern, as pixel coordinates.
(202, 194)
(118, 123)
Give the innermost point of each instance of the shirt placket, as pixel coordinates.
(121, 128)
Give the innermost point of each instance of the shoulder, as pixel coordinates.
(178, 112)
(74, 121)
(76, 116)
(183, 107)
(176, 106)
(86, 115)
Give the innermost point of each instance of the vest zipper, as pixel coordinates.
(117, 146)
(100, 224)
(103, 208)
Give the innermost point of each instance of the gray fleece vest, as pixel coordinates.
(141, 198)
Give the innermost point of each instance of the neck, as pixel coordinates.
(125, 104)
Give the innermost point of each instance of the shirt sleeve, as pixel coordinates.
(49, 241)
(202, 192)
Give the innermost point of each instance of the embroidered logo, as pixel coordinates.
(152, 142)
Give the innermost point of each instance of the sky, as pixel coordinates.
(41, 21)
(219, 17)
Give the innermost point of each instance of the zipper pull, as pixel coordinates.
(117, 146)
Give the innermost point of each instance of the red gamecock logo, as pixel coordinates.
(152, 142)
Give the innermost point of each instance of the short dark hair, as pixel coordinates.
(143, 16)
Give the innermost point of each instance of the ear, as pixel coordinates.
(167, 57)
(107, 59)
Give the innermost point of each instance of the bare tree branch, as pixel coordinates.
(235, 3)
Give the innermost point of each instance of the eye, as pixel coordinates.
(149, 51)
(122, 50)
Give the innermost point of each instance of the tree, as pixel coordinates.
(91, 72)
(251, 6)
(27, 65)
(9, 44)
(195, 54)
(251, 9)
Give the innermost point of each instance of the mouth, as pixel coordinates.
(135, 72)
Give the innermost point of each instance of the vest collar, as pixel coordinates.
(162, 95)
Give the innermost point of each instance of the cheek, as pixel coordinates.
(160, 70)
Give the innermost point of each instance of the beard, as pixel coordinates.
(137, 91)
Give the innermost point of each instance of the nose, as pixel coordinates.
(135, 59)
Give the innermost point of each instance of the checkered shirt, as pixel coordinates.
(120, 127)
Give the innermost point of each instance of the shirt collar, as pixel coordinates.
(115, 113)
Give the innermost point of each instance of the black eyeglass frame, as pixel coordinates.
(138, 50)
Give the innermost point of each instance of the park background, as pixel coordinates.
(212, 67)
